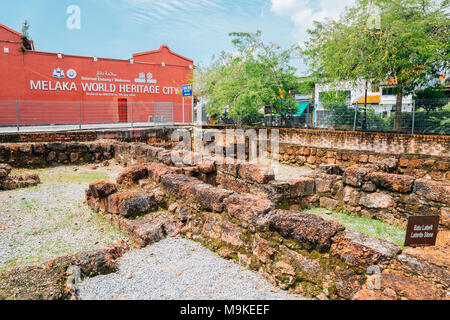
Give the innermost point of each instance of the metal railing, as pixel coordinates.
(68, 115)
(424, 116)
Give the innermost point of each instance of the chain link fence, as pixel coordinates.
(424, 116)
(44, 115)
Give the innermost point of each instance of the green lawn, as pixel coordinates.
(369, 226)
(64, 174)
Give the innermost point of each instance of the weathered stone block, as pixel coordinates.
(433, 190)
(445, 217)
(179, 185)
(131, 203)
(351, 196)
(329, 203)
(256, 173)
(302, 263)
(5, 170)
(276, 190)
(305, 228)
(358, 249)
(206, 168)
(74, 157)
(232, 183)
(33, 177)
(157, 170)
(419, 267)
(285, 268)
(325, 182)
(132, 175)
(217, 228)
(301, 187)
(262, 249)
(209, 197)
(356, 176)
(149, 232)
(410, 288)
(416, 163)
(376, 200)
(331, 169)
(247, 208)
(392, 182)
(229, 166)
(102, 188)
(165, 157)
(62, 157)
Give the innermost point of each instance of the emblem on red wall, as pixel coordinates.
(71, 74)
(58, 73)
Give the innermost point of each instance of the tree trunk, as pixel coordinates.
(283, 117)
(364, 124)
(286, 120)
(398, 108)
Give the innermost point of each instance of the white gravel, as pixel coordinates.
(288, 172)
(179, 269)
(41, 223)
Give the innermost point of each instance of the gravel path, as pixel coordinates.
(178, 269)
(287, 172)
(41, 223)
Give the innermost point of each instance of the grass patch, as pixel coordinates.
(64, 175)
(369, 226)
(51, 219)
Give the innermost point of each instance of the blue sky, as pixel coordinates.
(197, 29)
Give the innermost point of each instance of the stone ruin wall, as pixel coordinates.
(420, 156)
(371, 190)
(416, 165)
(246, 221)
(416, 155)
(374, 142)
(374, 189)
(296, 251)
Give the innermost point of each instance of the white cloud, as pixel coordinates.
(304, 12)
(158, 10)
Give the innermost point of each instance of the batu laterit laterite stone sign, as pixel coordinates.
(422, 231)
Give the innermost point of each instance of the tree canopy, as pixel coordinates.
(255, 75)
(25, 29)
(402, 41)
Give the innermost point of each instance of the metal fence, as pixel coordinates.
(424, 116)
(45, 115)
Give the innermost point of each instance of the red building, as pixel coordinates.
(54, 88)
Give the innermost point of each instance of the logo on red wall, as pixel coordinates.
(71, 74)
(58, 73)
(145, 78)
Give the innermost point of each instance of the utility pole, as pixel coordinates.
(364, 124)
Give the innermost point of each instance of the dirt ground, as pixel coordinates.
(51, 219)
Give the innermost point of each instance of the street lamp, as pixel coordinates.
(291, 92)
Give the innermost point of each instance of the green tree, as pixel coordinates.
(431, 98)
(26, 43)
(409, 45)
(240, 84)
(25, 29)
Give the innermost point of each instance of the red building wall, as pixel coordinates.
(95, 88)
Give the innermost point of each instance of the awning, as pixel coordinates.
(301, 107)
(370, 99)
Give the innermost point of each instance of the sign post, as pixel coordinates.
(187, 92)
(422, 231)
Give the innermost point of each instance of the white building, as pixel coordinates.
(381, 98)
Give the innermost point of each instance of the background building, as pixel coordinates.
(54, 88)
